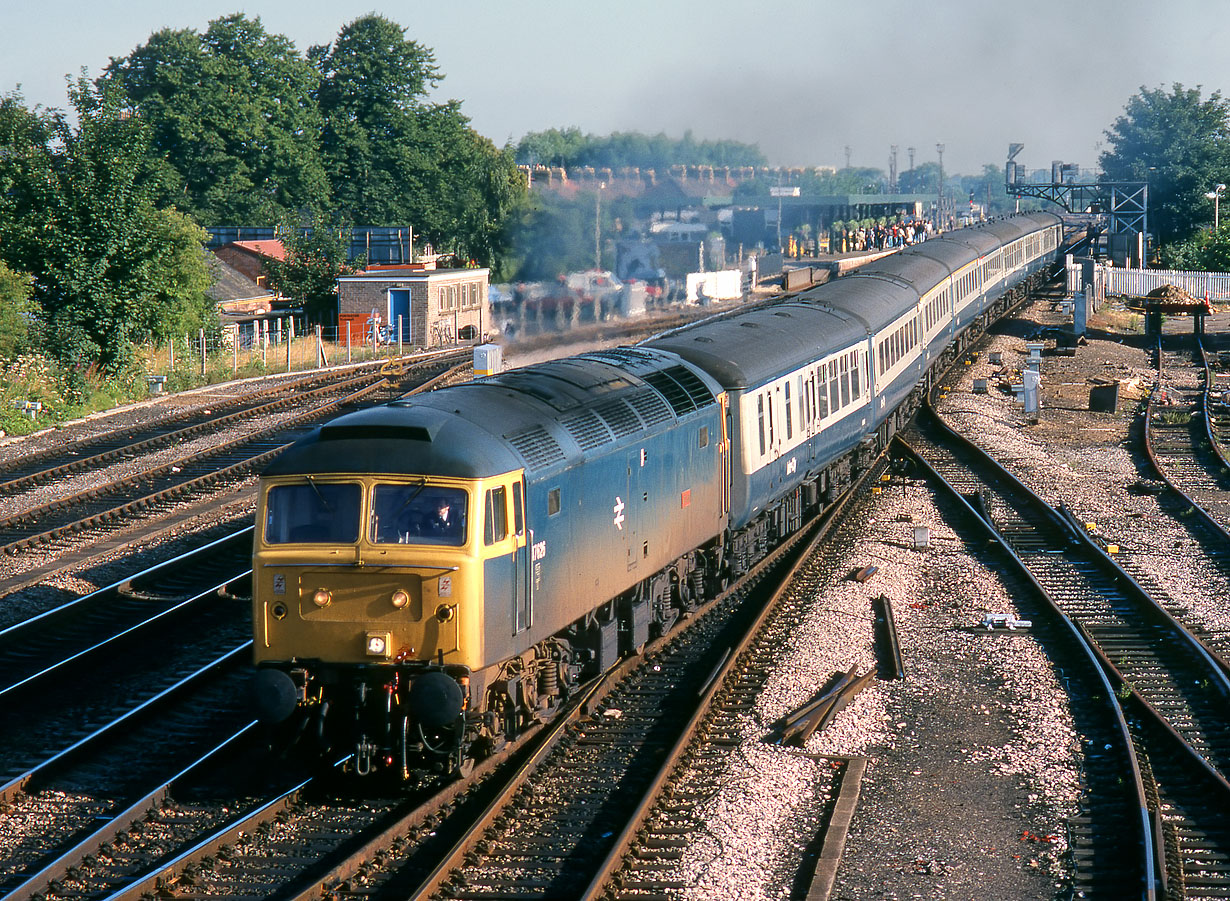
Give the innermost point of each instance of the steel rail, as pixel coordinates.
(1152, 859)
(38, 883)
(214, 423)
(1120, 581)
(18, 784)
(810, 537)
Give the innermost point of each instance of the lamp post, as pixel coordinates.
(1215, 196)
(939, 149)
(598, 227)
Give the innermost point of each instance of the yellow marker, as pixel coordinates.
(1091, 527)
(875, 489)
(1112, 549)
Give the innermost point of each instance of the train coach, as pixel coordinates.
(434, 575)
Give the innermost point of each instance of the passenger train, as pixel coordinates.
(432, 576)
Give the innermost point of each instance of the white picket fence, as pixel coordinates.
(1139, 282)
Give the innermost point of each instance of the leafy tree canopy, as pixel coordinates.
(1177, 142)
(233, 115)
(1205, 251)
(396, 157)
(569, 148)
(109, 267)
(16, 311)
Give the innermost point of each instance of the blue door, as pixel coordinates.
(399, 306)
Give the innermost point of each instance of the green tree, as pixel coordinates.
(569, 147)
(233, 114)
(373, 82)
(1177, 143)
(109, 267)
(1205, 251)
(16, 311)
(315, 260)
(397, 158)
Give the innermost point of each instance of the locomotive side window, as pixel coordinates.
(314, 512)
(518, 510)
(495, 526)
(703, 438)
(418, 514)
(553, 502)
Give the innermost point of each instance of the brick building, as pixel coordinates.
(436, 306)
(248, 257)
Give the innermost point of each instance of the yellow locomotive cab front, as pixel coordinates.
(368, 597)
(365, 571)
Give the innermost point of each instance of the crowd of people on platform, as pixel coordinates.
(883, 237)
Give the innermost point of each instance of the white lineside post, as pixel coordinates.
(321, 362)
(399, 334)
(171, 352)
(347, 340)
(264, 342)
(235, 347)
(202, 337)
(290, 340)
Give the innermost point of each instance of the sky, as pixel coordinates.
(803, 80)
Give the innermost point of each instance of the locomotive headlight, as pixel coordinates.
(323, 597)
(446, 612)
(400, 598)
(378, 644)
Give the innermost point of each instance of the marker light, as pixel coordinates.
(323, 597)
(378, 644)
(400, 598)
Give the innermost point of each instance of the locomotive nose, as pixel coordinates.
(274, 695)
(435, 699)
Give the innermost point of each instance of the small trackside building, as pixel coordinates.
(436, 306)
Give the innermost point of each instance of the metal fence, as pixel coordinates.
(273, 345)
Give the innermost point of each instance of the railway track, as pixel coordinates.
(583, 772)
(179, 425)
(1181, 436)
(97, 622)
(1169, 683)
(155, 490)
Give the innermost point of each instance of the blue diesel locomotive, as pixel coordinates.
(433, 575)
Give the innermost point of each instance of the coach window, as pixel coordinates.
(789, 423)
(834, 391)
(552, 502)
(845, 380)
(854, 385)
(495, 526)
(822, 396)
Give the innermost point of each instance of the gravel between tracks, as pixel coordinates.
(974, 756)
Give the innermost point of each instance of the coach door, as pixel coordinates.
(724, 451)
(522, 562)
